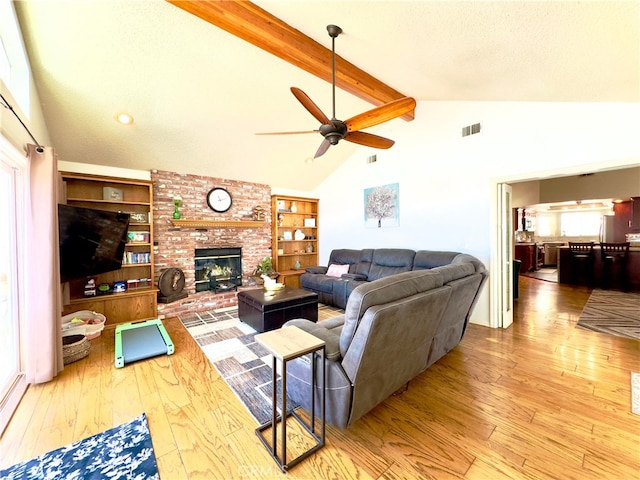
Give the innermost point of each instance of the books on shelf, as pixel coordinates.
(134, 258)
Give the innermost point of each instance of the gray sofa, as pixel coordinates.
(393, 328)
(365, 266)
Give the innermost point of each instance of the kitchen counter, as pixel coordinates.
(633, 268)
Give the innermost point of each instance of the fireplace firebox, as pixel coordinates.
(218, 269)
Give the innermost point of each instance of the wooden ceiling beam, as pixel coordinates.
(257, 26)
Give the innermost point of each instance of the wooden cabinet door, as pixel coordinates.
(130, 308)
(635, 221)
(622, 220)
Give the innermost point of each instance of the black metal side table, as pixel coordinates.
(285, 344)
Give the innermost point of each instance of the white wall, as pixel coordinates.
(447, 183)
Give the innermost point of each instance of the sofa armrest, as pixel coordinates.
(353, 276)
(316, 269)
(331, 339)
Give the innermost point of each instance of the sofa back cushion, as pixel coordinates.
(380, 292)
(426, 259)
(389, 261)
(344, 256)
(358, 260)
(364, 262)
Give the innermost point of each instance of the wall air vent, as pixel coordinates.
(471, 130)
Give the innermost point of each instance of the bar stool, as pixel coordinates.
(615, 254)
(582, 261)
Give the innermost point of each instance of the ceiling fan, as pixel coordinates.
(334, 130)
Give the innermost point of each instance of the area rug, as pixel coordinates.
(545, 273)
(123, 452)
(245, 365)
(613, 312)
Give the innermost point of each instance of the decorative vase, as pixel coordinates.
(309, 248)
(294, 208)
(297, 265)
(176, 211)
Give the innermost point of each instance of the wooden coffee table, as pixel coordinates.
(266, 311)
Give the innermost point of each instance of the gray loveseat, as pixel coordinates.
(393, 328)
(365, 266)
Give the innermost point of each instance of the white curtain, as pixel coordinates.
(43, 338)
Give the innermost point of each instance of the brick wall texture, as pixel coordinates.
(175, 247)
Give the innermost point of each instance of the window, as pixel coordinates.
(580, 224)
(12, 379)
(14, 67)
(545, 225)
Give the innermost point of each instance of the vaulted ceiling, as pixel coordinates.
(198, 94)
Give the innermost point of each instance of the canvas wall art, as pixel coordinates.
(381, 206)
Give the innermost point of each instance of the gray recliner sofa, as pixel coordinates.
(393, 329)
(366, 265)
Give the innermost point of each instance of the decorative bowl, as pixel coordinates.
(273, 287)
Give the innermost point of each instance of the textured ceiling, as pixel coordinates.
(198, 94)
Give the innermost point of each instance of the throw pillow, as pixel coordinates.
(337, 270)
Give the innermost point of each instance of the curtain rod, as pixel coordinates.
(5, 104)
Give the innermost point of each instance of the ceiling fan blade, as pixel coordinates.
(287, 133)
(381, 114)
(369, 140)
(324, 146)
(307, 103)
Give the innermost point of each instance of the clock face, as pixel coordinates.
(219, 200)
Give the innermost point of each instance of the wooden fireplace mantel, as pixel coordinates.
(217, 223)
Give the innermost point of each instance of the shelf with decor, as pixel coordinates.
(295, 240)
(134, 197)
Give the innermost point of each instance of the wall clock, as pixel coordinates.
(219, 199)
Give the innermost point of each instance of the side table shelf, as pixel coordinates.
(285, 344)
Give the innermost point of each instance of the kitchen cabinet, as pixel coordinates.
(635, 220)
(527, 254)
(622, 220)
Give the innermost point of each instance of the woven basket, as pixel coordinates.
(74, 347)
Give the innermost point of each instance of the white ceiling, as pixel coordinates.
(199, 94)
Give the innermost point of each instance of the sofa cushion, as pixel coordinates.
(453, 272)
(426, 259)
(383, 291)
(389, 261)
(317, 283)
(325, 330)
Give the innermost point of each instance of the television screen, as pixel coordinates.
(91, 241)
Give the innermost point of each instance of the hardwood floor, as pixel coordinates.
(540, 400)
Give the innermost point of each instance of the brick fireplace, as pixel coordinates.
(175, 247)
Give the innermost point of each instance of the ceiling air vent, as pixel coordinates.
(471, 130)
(372, 159)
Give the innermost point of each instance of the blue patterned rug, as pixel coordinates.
(123, 452)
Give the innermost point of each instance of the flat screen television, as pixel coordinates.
(91, 241)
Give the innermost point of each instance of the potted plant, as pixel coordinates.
(265, 267)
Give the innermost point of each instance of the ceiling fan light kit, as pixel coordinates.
(334, 130)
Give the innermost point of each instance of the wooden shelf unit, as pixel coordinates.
(285, 253)
(84, 190)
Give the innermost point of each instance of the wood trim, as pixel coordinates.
(217, 224)
(257, 26)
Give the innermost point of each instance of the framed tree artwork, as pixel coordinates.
(381, 208)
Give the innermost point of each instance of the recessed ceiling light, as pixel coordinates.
(124, 118)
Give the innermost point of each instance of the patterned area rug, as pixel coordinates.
(612, 312)
(245, 365)
(123, 452)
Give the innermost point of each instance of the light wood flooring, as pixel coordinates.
(540, 400)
